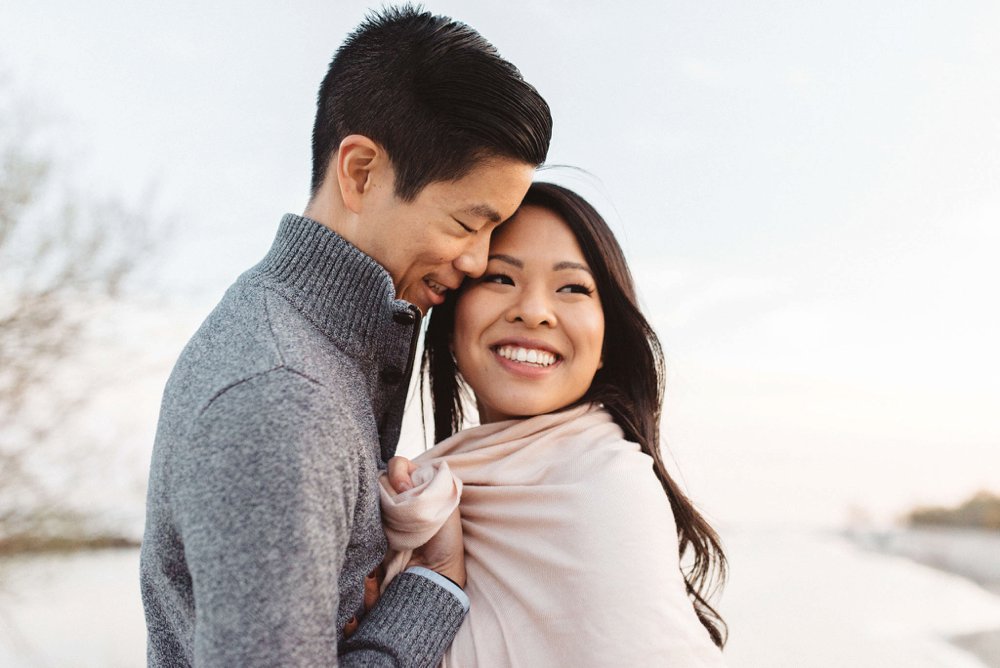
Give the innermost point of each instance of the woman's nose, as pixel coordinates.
(534, 307)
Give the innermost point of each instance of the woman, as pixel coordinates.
(573, 528)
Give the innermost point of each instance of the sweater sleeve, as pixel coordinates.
(264, 500)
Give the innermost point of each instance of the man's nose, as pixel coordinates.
(472, 262)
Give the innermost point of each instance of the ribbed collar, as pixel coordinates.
(341, 290)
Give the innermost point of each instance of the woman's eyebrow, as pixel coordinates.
(559, 266)
(508, 259)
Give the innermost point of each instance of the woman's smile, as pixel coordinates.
(525, 357)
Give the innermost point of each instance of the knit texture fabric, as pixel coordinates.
(571, 546)
(262, 515)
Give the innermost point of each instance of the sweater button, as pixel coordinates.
(404, 317)
(392, 375)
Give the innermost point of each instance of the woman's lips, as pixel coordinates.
(529, 361)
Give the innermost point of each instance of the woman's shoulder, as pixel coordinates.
(598, 448)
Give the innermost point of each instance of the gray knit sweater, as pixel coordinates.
(262, 516)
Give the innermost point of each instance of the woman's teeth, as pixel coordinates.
(528, 355)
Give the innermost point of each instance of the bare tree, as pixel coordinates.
(61, 255)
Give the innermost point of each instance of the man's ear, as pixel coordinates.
(356, 161)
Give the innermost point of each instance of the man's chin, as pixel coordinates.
(422, 304)
(423, 297)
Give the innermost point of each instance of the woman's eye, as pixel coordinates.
(577, 288)
(502, 279)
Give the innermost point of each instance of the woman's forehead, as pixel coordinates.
(535, 233)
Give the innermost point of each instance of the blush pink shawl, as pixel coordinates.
(571, 547)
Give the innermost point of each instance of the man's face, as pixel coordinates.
(430, 244)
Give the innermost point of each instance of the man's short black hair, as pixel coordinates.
(433, 93)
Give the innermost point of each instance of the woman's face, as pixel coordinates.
(528, 334)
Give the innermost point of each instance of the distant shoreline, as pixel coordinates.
(981, 511)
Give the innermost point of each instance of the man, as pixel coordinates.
(262, 521)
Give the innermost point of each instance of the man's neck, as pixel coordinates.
(327, 208)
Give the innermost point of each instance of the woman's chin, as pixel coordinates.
(520, 408)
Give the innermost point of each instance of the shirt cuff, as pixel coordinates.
(441, 580)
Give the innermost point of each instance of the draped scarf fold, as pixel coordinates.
(571, 546)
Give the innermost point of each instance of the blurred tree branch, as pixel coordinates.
(61, 256)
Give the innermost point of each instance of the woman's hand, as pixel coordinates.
(445, 552)
(399, 472)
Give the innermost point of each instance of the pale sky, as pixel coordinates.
(809, 194)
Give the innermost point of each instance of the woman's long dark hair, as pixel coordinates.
(630, 384)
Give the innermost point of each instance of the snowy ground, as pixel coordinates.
(795, 600)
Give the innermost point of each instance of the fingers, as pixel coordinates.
(373, 583)
(399, 471)
(445, 552)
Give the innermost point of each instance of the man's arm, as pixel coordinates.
(264, 500)
(413, 624)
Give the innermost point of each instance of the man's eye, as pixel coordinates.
(577, 288)
(470, 230)
(501, 279)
